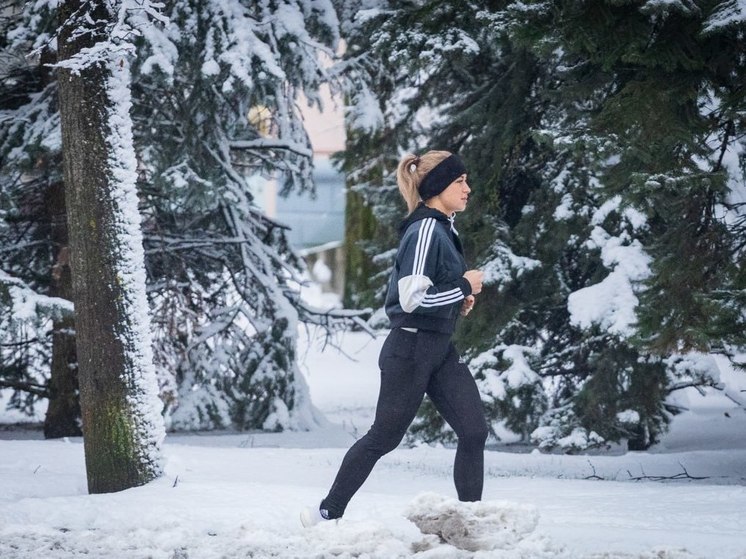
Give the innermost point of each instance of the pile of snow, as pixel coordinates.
(473, 526)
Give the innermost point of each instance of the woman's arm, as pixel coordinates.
(418, 261)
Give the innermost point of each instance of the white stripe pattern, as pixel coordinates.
(424, 237)
(445, 298)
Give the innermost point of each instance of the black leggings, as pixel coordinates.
(412, 365)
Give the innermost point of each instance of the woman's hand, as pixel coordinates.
(475, 277)
(467, 305)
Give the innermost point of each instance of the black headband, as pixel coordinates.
(443, 174)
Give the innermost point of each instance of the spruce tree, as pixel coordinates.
(568, 114)
(215, 107)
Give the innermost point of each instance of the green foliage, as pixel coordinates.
(602, 141)
(688, 305)
(610, 391)
(360, 224)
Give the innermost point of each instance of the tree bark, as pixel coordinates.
(121, 435)
(63, 413)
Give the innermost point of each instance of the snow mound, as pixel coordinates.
(477, 526)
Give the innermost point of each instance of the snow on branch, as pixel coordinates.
(26, 303)
(612, 302)
(727, 14)
(123, 22)
(334, 320)
(503, 265)
(269, 143)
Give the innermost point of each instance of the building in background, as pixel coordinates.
(317, 221)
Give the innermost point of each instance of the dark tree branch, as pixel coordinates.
(30, 387)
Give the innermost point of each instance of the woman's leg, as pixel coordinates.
(455, 395)
(404, 377)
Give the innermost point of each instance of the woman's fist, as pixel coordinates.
(475, 277)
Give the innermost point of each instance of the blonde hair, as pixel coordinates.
(410, 172)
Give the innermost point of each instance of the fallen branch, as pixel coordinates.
(681, 475)
(594, 475)
(684, 474)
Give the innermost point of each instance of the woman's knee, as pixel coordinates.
(474, 437)
(382, 441)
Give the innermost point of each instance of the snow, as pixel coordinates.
(26, 303)
(321, 272)
(130, 268)
(628, 416)
(667, 7)
(579, 438)
(564, 210)
(364, 113)
(210, 68)
(238, 494)
(473, 526)
(503, 265)
(519, 372)
(611, 303)
(727, 14)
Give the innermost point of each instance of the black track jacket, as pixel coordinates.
(427, 287)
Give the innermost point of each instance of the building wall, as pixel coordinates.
(317, 221)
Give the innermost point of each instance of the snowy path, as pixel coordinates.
(238, 495)
(223, 501)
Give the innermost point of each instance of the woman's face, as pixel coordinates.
(453, 198)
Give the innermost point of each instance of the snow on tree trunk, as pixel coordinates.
(122, 426)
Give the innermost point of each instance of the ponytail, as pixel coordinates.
(406, 178)
(410, 172)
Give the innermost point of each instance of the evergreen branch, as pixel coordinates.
(24, 246)
(176, 244)
(265, 144)
(20, 344)
(561, 355)
(694, 384)
(30, 387)
(332, 320)
(675, 408)
(733, 399)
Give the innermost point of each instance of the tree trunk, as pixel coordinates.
(63, 412)
(122, 427)
(360, 227)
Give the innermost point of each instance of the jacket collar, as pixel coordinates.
(423, 212)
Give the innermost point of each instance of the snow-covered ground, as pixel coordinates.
(229, 495)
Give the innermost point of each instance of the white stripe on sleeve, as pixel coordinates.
(446, 298)
(424, 238)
